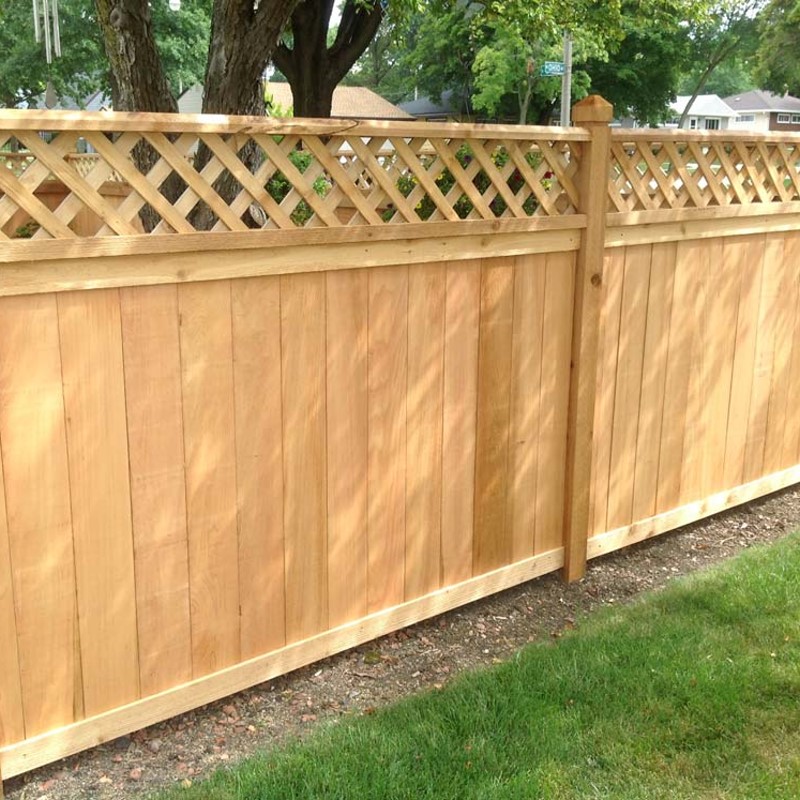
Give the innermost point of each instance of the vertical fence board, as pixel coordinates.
(554, 401)
(651, 411)
(526, 378)
(630, 357)
(209, 442)
(152, 364)
(723, 309)
(12, 722)
(492, 542)
(791, 438)
(676, 386)
(427, 286)
(747, 255)
(35, 471)
(764, 356)
(462, 320)
(97, 443)
(255, 306)
(610, 321)
(348, 415)
(303, 333)
(695, 431)
(786, 313)
(388, 365)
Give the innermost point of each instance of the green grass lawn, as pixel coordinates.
(693, 692)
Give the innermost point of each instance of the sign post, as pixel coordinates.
(566, 80)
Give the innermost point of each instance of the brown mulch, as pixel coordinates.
(191, 746)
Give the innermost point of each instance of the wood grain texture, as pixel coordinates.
(462, 320)
(651, 406)
(154, 405)
(791, 438)
(722, 302)
(97, 443)
(768, 313)
(526, 379)
(553, 417)
(304, 454)
(492, 542)
(209, 444)
(676, 386)
(36, 477)
(347, 419)
(747, 255)
(12, 721)
(785, 322)
(696, 431)
(610, 321)
(427, 286)
(255, 307)
(630, 366)
(388, 367)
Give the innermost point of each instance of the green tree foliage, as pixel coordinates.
(641, 75)
(779, 51)
(181, 38)
(23, 70)
(726, 28)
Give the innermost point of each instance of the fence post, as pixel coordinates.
(594, 114)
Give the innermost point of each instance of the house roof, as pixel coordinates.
(759, 100)
(705, 105)
(349, 102)
(425, 106)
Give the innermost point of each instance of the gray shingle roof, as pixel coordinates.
(759, 100)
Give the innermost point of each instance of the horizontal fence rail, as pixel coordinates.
(270, 389)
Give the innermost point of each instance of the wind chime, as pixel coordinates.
(46, 26)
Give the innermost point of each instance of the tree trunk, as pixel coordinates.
(140, 83)
(242, 41)
(312, 68)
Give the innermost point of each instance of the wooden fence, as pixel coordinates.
(354, 375)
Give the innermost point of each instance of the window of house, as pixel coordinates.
(693, 123)
(712, 124)
(746, 118)
(784, 119)
(795, 119)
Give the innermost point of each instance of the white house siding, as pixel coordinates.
(759, 123)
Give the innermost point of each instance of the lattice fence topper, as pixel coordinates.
(649, 175)
(133, 182)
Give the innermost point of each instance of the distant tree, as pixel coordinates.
(641, 74)
(715, 37)
(779, 47)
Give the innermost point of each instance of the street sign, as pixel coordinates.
(551, 69)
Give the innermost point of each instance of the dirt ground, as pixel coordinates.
(189, 747)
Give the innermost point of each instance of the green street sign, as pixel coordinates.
(551, 69)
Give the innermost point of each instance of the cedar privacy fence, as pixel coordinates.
(272, 388)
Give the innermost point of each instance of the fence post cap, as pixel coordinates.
(592, 108)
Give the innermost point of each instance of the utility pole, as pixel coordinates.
(566, 80)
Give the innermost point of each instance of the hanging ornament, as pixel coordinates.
(45, 21)
(50, 96)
